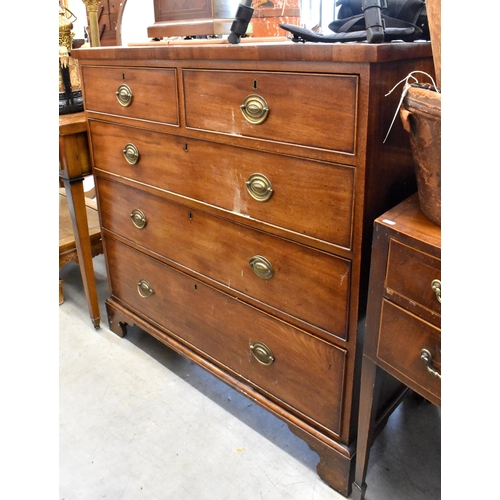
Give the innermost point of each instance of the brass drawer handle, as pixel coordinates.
(145, 289)
(436, 287)
(124, 95)
(254, 109)
(427, 358)
(138, 218)
(261, 267)
(259, 187)
(262, 353)
(131, 153)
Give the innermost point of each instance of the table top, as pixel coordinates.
(72, 123)
(407, 218)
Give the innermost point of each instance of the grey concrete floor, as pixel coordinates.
(138, 421)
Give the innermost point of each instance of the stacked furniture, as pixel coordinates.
(237, 188)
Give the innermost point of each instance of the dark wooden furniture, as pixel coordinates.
(74, 165)
(403, 322)
(237, 188)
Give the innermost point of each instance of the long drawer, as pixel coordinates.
(302, 372)
(310, 285)
(127, 92)
(402, 338)
(308, 197)
(314, 110)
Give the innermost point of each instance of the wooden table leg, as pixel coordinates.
(370, 388)
(78, 212)
(74, 158)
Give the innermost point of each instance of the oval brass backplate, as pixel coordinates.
(124, 95)
(131, 153)
(138, 218)
(261, 267)
(254, 109)
(262, 353)
(259, 187)
(145, 289)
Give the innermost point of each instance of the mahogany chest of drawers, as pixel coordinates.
(403, 321)
(237, 188)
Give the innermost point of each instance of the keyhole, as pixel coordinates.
(190, 216)
(255, 84)
(186, 148)
(123, 76)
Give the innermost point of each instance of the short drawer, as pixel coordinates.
(412, 275)
(313, 110)
(311, 198)
(128, 92)
(310, 285)
(304, 373)
(402, 339)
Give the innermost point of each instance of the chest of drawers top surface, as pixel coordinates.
(258, 51)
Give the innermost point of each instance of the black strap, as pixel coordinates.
(305, 35)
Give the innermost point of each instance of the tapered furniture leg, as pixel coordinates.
(370, 387)
(74, 161)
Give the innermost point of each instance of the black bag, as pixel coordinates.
(374, 21)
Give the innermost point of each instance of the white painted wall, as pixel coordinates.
(137, 17)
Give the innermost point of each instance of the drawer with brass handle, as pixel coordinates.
(127, 92)
(253, 104)
(312, 199)
(411, 347)
(285, 275)
(281, 361)
(413, 280)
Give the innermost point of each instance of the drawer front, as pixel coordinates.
(313, 110)
(402, 337)
(307, 374)
(310, 198)
(310, 285)
(410, 274)
(135, 88)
